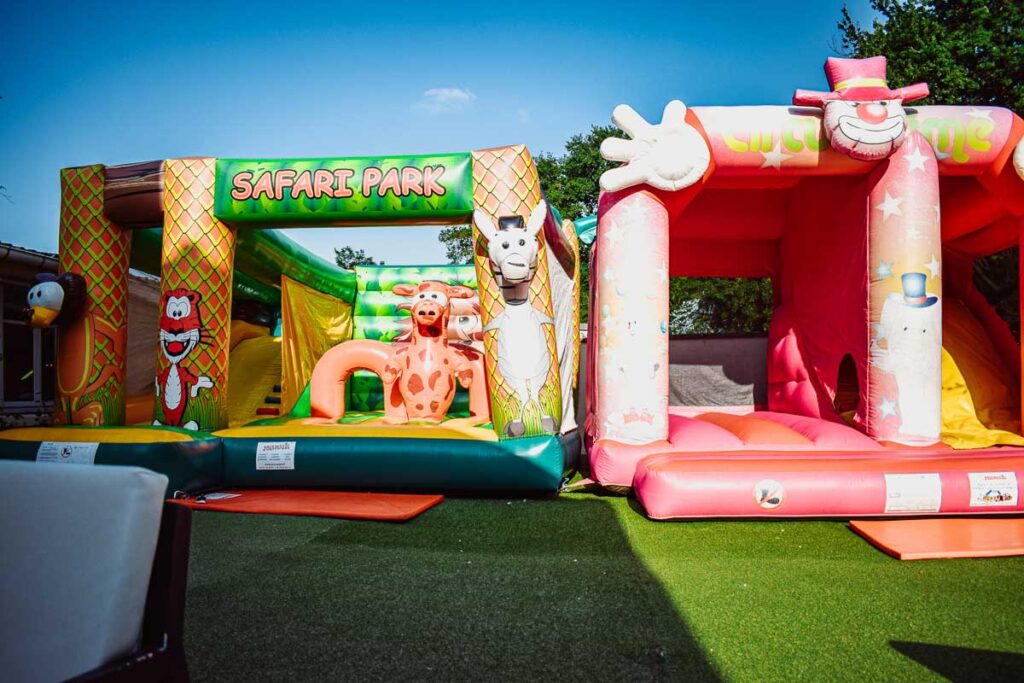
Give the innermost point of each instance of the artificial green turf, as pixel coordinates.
(585, 587)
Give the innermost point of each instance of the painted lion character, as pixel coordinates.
(863, 118)
(180, 332)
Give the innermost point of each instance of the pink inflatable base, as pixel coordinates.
(893, 482)
(727, 430)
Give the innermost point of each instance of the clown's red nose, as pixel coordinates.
(872, 112)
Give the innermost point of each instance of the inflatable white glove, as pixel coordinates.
(203, 382)
(668, 156)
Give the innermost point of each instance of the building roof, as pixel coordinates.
(29, 257)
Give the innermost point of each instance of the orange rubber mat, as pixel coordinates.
(927, 539)
(385, 507)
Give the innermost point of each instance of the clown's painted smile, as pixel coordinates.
(871, 133)
(865, 130)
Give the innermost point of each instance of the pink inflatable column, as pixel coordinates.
(904, 390)
(631, 318)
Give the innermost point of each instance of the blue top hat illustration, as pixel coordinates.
(914, 293)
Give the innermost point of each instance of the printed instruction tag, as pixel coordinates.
(993, 489)
(275, 455)
(913, 493)
(77, 453)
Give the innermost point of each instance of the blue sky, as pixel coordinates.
(115, 83)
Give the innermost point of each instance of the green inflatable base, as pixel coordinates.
(529, 464)
(190, 466)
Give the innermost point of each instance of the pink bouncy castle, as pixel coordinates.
(892, 386)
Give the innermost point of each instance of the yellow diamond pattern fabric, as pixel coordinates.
(93, 351)
(569, 232)
(198, 255)
(505, 183)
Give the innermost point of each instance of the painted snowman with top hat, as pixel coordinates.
(865, 119)
(911, 327)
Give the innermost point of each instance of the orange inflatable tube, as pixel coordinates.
(327, 385)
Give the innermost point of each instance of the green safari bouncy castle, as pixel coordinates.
(414, 377)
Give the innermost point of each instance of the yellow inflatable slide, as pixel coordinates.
(254, 372)
(980, 399)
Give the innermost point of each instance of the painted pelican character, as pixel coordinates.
(62, 301)
(522, 346)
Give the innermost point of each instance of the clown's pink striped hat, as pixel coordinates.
(858, 80)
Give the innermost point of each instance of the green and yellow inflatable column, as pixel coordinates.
(90, 358)
(505, 183)
(197, 257)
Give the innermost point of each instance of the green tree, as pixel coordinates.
(348, 258)
(969, 52)
(458, 243)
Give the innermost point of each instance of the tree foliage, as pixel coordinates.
(708, 305)
(969, 52)
(458, 243)
(348, 258)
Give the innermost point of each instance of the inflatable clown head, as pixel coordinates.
(863, 118)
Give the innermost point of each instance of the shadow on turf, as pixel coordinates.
(473, 589)
(963, 663)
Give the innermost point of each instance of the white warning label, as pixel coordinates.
(76, 453)
(275, 455)
(906, 493)
(993, 489)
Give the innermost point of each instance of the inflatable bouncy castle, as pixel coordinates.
(277, 368)
(886, 384)
(891, 385)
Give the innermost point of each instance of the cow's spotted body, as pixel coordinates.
(426, 367)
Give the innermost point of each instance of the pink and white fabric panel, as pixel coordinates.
(630, 347)
(904, 397)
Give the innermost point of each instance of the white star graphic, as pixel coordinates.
(775, 157)
(915, 160)
(635, 211)
(913, 233)
(933, 266)
(890, 206)
(608, 274)
(663, 273)
(884, 270)
(976, 113)
(887, 408)
(879, 331)
(614, 234)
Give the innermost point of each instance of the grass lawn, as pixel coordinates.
(585, 587)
